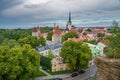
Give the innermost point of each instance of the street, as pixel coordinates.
(89, 72)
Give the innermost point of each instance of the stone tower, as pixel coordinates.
(69, 23)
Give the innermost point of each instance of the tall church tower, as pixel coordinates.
(69, 23)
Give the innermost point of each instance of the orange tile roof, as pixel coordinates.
(57, 30)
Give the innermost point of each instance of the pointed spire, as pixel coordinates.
(69, 17)
(54, 24)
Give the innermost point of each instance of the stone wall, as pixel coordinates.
(107, 69)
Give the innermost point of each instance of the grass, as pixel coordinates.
(51, 79)
(40, 74)
(59, 72)
(91, 78)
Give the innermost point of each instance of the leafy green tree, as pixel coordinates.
(113, 47)
(42, 41)
(15, 33)
(46, 29)
(33, 41)
(89, 30)
(18, 63)
(45, 62)
(91, 41)
(77, 54)
(69, 35)
(1, 38)
(11, 43)
(101, 35)
(115, 27)
(50, 54)
(49, 36)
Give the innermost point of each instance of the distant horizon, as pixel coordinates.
(92, 22)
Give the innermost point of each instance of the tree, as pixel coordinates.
(49, 36)
(11, 43)
(89, 30)
(33, 41)
(91, 41)
(101, 35)
(77, 54)
(45, 29)
(113, 47)
(1, 38)
(15, 33)
(115, 27)
(42, 41)
(50, 54)
(45, 62)
(18, 63)
(69, 35)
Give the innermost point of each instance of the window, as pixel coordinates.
(61, 69)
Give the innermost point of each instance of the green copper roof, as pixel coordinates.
(95, 52)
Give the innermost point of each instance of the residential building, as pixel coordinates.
(55, 48)
(97, 50)
(58, 64)
(36, 31)
(56, 37)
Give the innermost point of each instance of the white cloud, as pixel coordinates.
(37, 1)
(43, 9)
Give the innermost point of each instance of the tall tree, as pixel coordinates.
(114, 27)
(49, 36)
(45, 62)
(113, 47)
(18, 63)
(77, 54)
(69, 35)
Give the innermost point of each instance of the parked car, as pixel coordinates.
(81, 71)
(58, 79)
(74, 74)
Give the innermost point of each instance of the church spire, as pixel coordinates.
(69, 24)
(69, 17)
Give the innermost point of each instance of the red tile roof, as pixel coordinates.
(40, 35)
(77, 39)
(104, 41)
(75, 31)
(36, 29)
(99, 28)
(57, 30)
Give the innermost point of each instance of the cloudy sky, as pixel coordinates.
(30, 13)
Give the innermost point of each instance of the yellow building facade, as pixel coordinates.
(58, 65)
